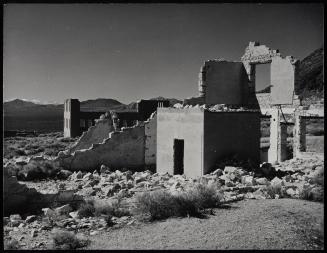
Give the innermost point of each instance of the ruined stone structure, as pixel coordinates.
(224, 119)
(197, 138)
(77, 121)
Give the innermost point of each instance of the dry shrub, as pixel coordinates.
(86, 209)
(312, 193)
(65, 240)
(11, 244)
(36, 171)
(95, 208)
(274, 190)
(162, 204)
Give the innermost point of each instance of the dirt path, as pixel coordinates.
(252, 224)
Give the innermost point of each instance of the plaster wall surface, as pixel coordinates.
(121, 149)
(228, 133)
(95, 134)
(225, 83)
(282, 80)
(150, 131)
(274, 136)
(71, 118)
(186, 124)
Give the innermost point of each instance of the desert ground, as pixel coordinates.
(277, 207)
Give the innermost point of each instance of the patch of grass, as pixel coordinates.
(162, 204)
(11, 244)
(65, 240)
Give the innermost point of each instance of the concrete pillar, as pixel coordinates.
(278, 138)
(299, 143)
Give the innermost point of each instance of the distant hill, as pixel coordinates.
(311, 83)
(29, 116)
(172, 101)
(100, 104)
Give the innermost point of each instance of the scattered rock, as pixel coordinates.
(248, 180)
(30, 218)
(63, 210)
(262, 181)
(64, 174)
(33, 233)
(276, 182)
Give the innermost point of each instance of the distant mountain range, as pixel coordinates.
(29, 116)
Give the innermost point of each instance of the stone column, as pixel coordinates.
(278, 138)
(299, 143)
(274, 133)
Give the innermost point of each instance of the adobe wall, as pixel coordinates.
(122, 149)
(150, 132)
(227, 133)
(95, 134)
(184, 124)
(71, 118)
(222, 82)
(282, 80)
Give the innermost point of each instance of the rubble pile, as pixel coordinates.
(290, 179)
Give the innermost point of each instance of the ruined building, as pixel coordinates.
(189, 139)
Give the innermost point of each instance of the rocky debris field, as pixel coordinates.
(296, 178)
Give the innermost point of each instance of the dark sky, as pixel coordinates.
(134, 51)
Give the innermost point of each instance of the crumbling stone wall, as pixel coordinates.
(284, 73)
(229, 133)
(256, 54)
(123, 149)
(150, 132)
(186, 124)
(223, 82)
(95, 134)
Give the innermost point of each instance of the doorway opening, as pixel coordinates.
(262, 78)
(178, 156)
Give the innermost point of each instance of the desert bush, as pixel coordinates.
(274, 190)
(204, 196)
(92, 208)
(20, 152)
(11, 244)
(65, 240)
(86, 209)
(109, 221)
(34, 171)
(312, 193)
(161, 204)
(158, 204)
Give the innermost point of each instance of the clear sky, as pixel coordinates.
(133, 51)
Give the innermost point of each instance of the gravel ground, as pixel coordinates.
(252, 224)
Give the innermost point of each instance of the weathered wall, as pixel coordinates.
(282, 80)
(121, 149)
(146, 107)
(95, 134)
(71, 118)
(227, 133)
(224, 82)
(184, 124)
(150, 150)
